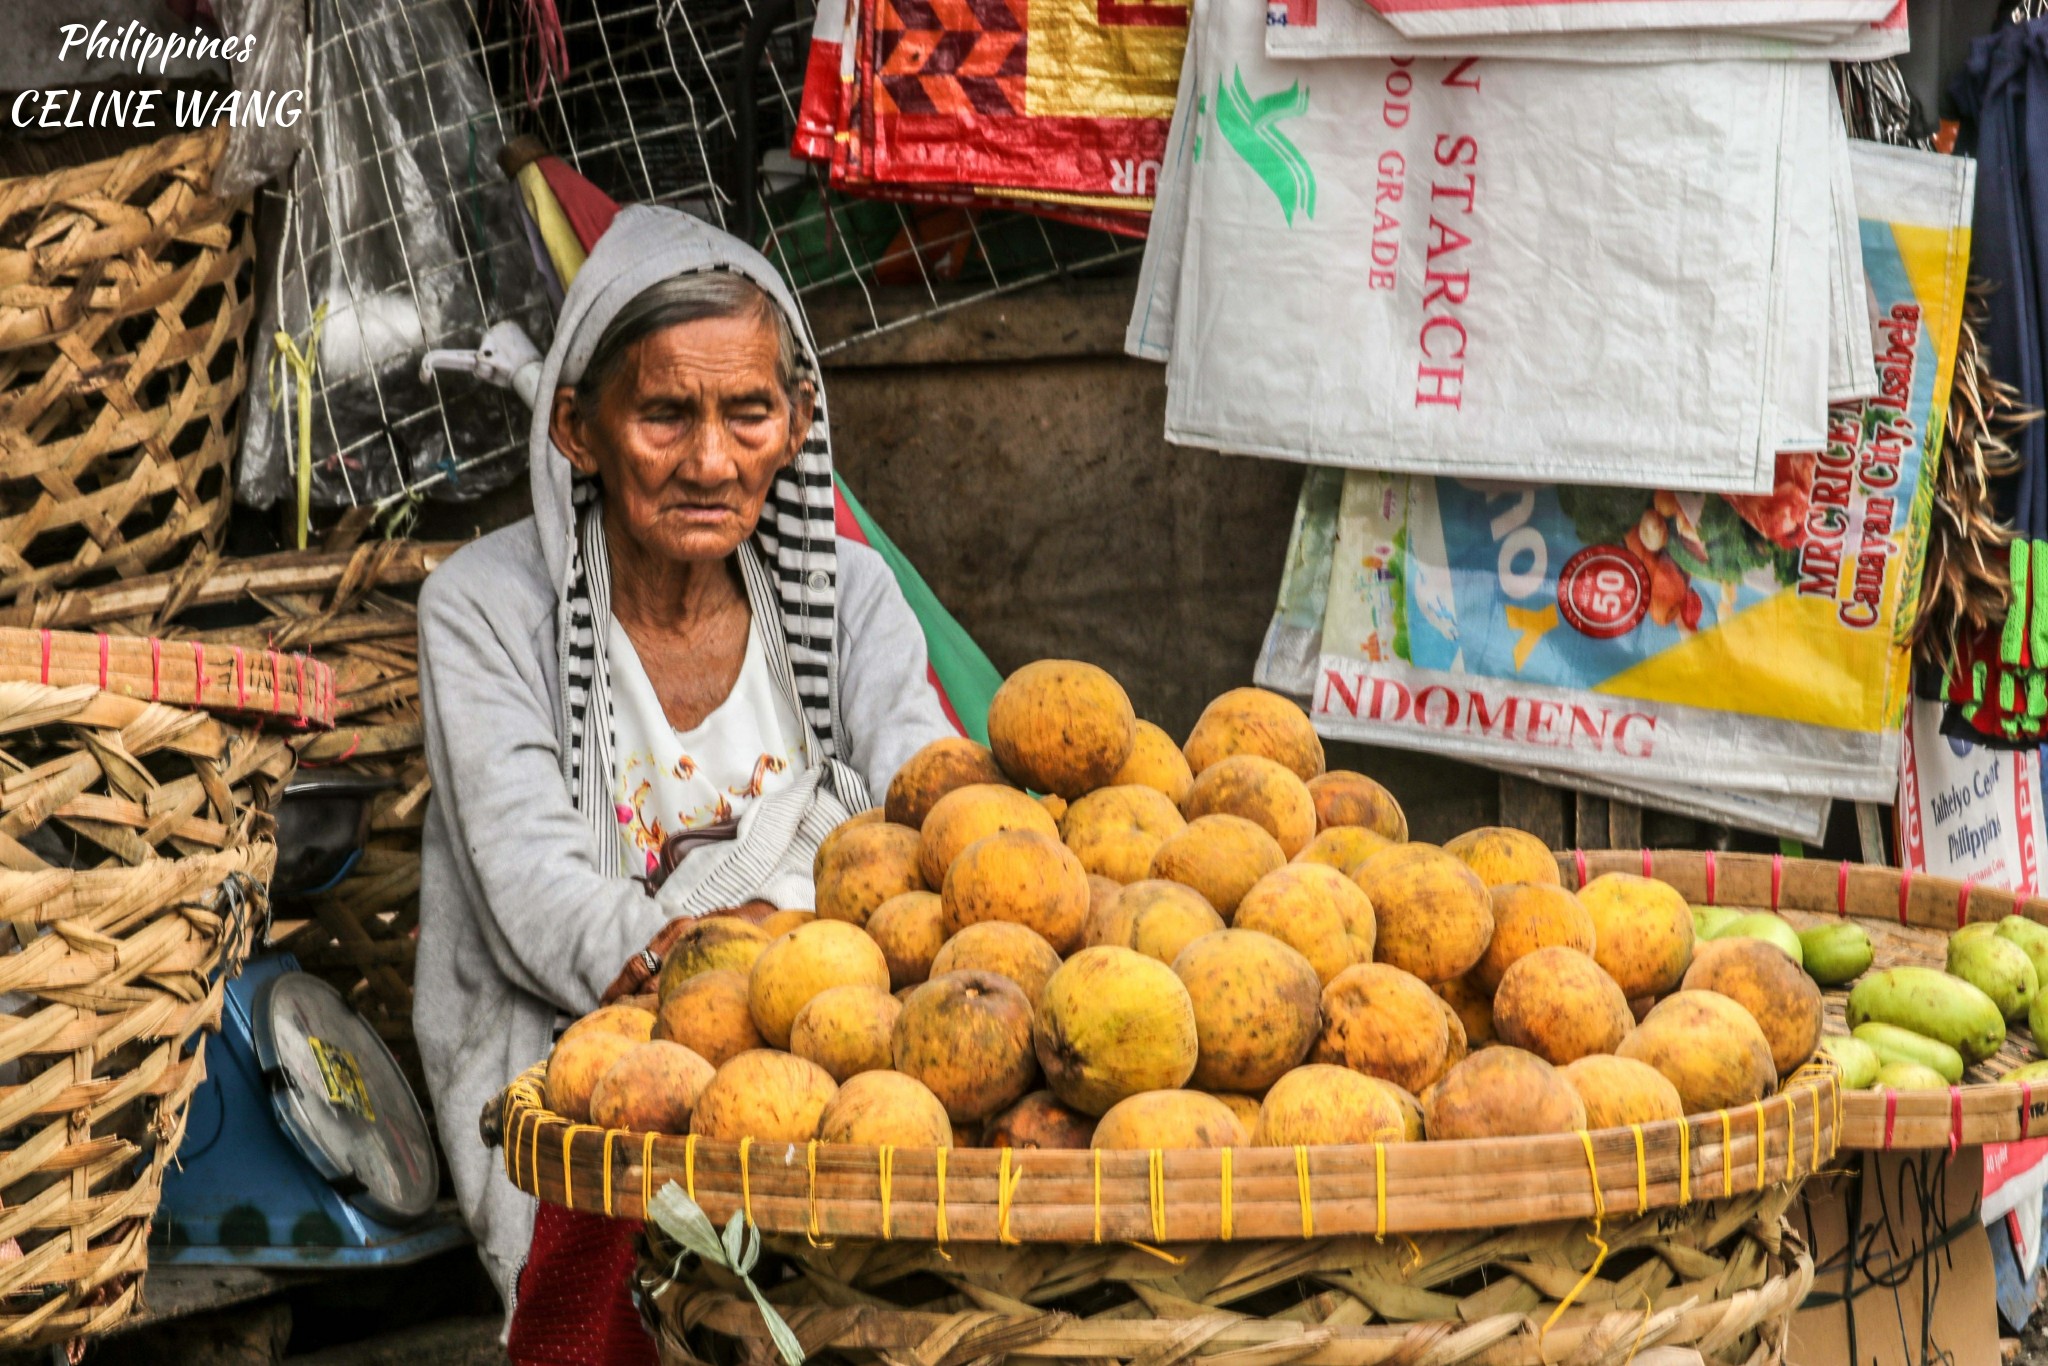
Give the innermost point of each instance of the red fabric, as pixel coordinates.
(574, 1306)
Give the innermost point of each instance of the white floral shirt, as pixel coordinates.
(670, 780)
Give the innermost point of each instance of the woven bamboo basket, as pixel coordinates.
(126, 291)
(1716, 1282)
(1909, 918)
(353, 609)
(980, 1195)
(134, 848)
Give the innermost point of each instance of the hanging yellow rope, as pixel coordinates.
(298, 363)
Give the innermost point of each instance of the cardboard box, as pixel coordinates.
(1918, 1290)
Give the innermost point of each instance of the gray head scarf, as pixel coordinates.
(790, 565)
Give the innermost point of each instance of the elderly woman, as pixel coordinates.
(646, 703)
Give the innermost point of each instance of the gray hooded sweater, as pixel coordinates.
(524, 914)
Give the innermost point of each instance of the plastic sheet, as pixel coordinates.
(258, 152)
(400, 236)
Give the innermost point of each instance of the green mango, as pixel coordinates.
(1997, 967)
(1709, 921)
(1975, 930)
(2037, 1019)
(2032, 938)
(1930, 1002)
(1858, 1060)
(1910, 1076)
(2033, 1073)
(1772, 929)
(1835, 954)
(1893, 1044)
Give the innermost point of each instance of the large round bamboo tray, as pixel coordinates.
(980, 1195)
(1909, 917)
(126, 291)
(1720, 1278)
(354, 610)
(134, 848)
(249, 683)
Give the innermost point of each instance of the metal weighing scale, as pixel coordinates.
(304, 1147)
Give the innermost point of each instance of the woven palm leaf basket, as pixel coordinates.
(354, 610)
(126, 291)
(1564, 1247)
(1909, 918)
(135, 842)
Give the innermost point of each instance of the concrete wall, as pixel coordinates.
(1016, 456)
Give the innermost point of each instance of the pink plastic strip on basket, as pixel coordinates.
(1777, 878)
(1579, 858)
(1963, 902)
(1647, 864)
(156, 669)
(1955, 1119)
(300, 660)
(1891, 1116)
(198, 672)
(276, 683)
(46, 658)
(1842, 890)
(1712, 878)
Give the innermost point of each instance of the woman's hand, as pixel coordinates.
(640, 974)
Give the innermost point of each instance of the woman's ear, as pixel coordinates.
(566, 430)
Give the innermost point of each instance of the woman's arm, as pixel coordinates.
(886, 701)
(558, 925)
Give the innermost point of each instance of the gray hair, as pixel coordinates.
(686, 299)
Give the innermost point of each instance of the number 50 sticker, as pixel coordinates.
(1603, 592)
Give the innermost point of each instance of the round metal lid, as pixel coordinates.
(339, 1095)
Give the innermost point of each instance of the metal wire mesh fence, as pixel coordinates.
(402, 236)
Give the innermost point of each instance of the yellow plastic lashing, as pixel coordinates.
(1379, 1191)
(1301, 1182)
(1599, 1257)
(1006, 1188)
(568, 1186)
(885, 1177)
(690, 1167)
(533, 1157)
(646, 1176)
(1226, 1229)
(1685, 1162)
(1593, 1170)
(1097, 1154)
(747, 1181)
(1763, 1147)
(1727, 1156)
(1155, 1192)
(1642, 1173)
(811, 1198)
(1813, 1095)
(608, 1133)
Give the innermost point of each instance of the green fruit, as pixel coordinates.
(1709, 921)
(1932, 1003)
(2037, 1019)
(1772, 929)
(1858, 1060)
(2032, 939)
(1835, 954)
(1997, 967)
(1893, 1044)
(1974, 931)
(2032, 1073)
(1910, 1076)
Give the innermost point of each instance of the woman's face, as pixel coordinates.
(687, 437)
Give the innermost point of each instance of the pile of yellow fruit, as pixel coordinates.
(1218, 943)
